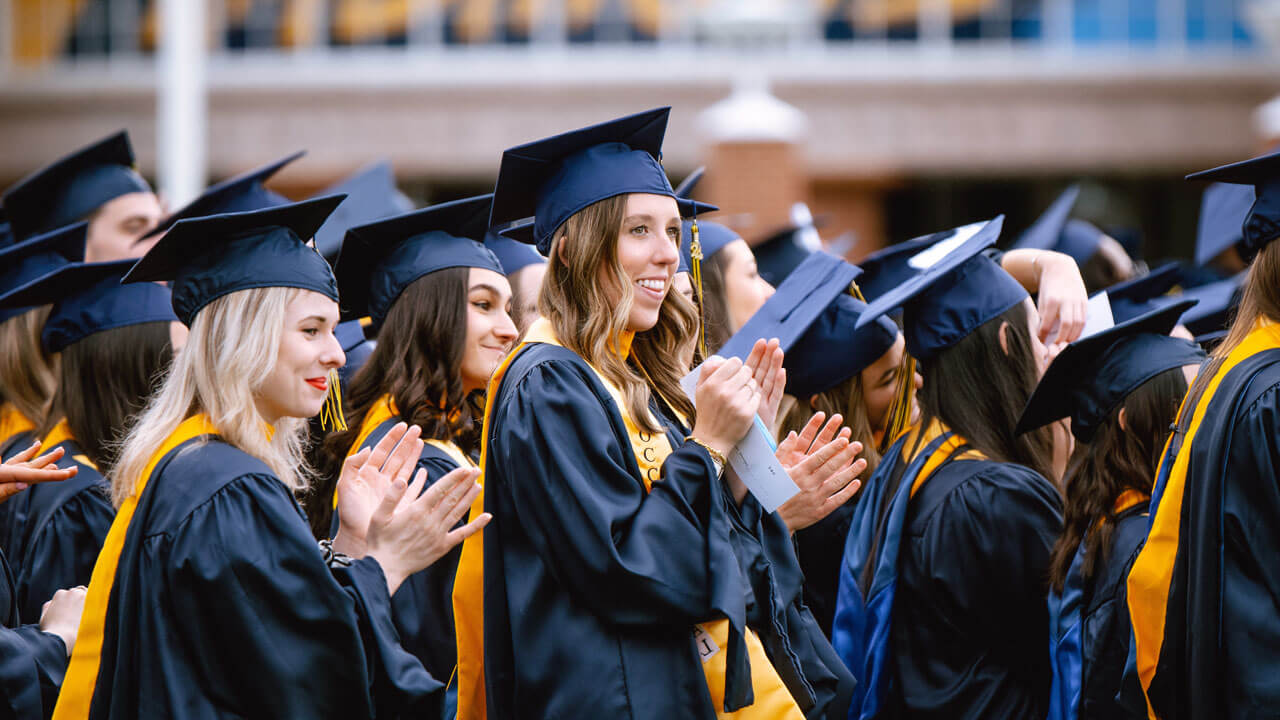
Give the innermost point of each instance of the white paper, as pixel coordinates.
(1098, 315)
(753, 459)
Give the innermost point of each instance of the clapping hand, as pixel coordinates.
(825, 465)
(21, 471)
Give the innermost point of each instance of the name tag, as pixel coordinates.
(707, 648)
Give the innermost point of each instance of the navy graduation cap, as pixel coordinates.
(371, 195)
(514, 256)
(88, 298)
(206, 258)
(1046, 232)
(1223, 209)
(889, 267)
(711, 235)
(1140, 295)
(1217, 302)
(952, 294)
(552, 179)
(1262, 224)
(381, 259)
(242, 193)
(72, 187)
(1079, 239)
(796, 304)
(1092, 376)
(25, 261)
(831, 350)
(778, 255)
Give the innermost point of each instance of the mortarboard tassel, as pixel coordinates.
(331, 417)
(856, 291)
(695, 269)
(900, 409)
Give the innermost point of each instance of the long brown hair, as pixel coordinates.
(589, 315)
(1116, 460)
(715, 302)
(978, 390)
(28, 375)
(847, 400)
(1259, 298)
(106, 380)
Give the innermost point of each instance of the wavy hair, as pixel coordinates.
(28, 375)
(230, 353)
(588, 314)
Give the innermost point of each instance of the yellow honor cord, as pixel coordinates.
(856, 291)
(331, 417)
(695, 270)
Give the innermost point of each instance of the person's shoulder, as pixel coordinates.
(991, 489)
(194, 473)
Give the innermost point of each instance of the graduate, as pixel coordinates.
(1102, 259)
(440, 302)
(941, 604)
(1121, 388)
(28, 373)
(210, 597)
(1201, 592)
(732, 288)
(98, 184)
(609, 583)
(114, 340)
(525, 268)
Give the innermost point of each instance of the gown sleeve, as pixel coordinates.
(32, 662)
(64, 551)
(278, 632)
(630, 556)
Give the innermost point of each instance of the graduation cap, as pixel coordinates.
(371, 195)
(23, 262)
(1092, 376)
(1145, 293)
(514, 256)
(1262, 223)
(72, 187)
(206, 258)
(381, 259)
(690, 183)
(554, 178)
(1079, 239)
(712, 235)
(1046, 232)
(778, 255)
(889, 267)
(955, 291)
(832, 351)
(1218, 301)
(88, 298)
(242, 193)
(796, 304)
(1223, 209)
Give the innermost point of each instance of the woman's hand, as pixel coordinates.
(20, 471)
(765, 361)
(1063, 301)
(824, 465)
(727, 400)
(411, 529)
(365, 480)
(61, 615)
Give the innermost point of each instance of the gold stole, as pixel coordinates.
(1152, 572)
(60, 434)
(82, 671)
(13, 422)
(772, 699)
(385, 409)
(914, 445)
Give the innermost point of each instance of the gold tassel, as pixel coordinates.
(900, 409)
(331, 417)
(695, 268)
(856, 292)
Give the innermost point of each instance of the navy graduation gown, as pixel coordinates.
(32, 662)
(820, 548)
(1105, 627)
(18, 442)
(222, 606)
(592, 586)
(423, 605)
(53, 532)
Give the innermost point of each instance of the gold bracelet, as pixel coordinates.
(715, 454)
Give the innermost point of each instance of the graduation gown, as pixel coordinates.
(968, 613)
(423, 605)
(221, 605)
(820, 547)
(1204, 591)
(53, 531)
(1089, 667)
(593, 585)
(31, 661)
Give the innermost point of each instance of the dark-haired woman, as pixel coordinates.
(115, 342)
(1203, 591)
(440, 303)
(941, 607)
(1121, 389)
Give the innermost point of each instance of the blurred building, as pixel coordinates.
(919, 114)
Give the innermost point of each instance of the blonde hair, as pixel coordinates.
(588, 315)
(28, 375)
(230, 353)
